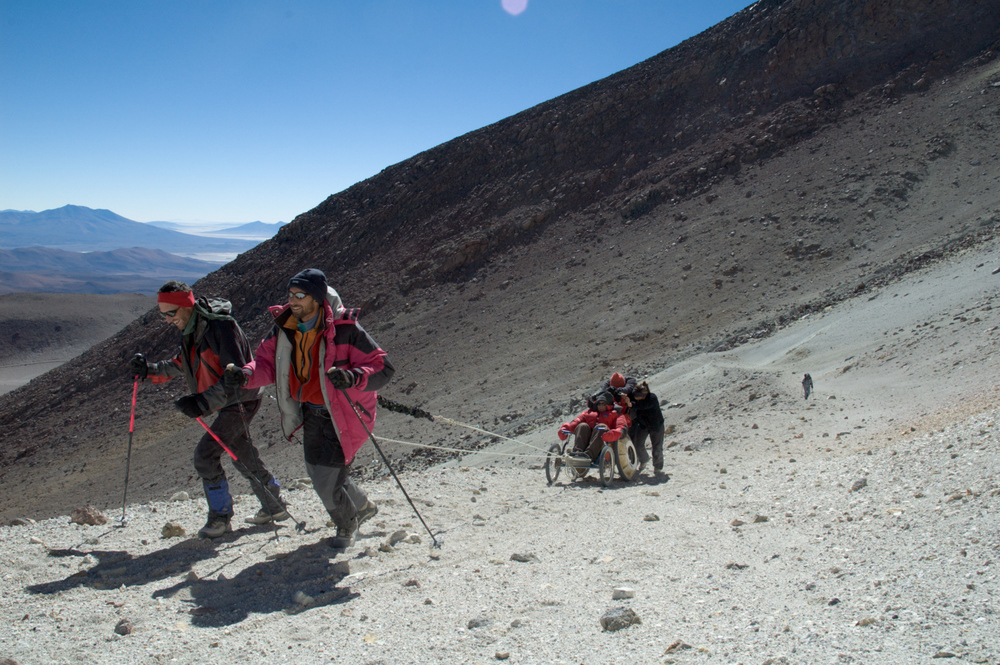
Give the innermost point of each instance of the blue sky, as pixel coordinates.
(236, 111)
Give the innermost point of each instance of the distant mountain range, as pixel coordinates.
(75, 249)
(252, 230)
(135, 270)
(82, 229)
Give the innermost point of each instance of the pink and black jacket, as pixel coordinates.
(343, 344)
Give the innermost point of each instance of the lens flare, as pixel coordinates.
(514, 7)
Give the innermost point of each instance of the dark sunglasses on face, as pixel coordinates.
(297, 296)
(170, 314)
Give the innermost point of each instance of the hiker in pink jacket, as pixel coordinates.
(321, 360)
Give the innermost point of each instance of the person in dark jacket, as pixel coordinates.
(647, 420)
(621, 388)
(210, 340)
(326, 370)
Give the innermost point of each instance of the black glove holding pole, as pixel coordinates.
(139, 367)
(342, 379)
(235, 377)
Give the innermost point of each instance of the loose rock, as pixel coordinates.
(397, 536)
(479, 622)
(173, 530)
(88, 515)
(124, 627)
(618, 618)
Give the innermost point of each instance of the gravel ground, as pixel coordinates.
(859, 526)
(728, 562)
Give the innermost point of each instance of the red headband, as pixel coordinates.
(179, 298)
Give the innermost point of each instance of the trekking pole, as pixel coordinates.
(246, 428)
(128, 457)
(354, 407)
(299, 526)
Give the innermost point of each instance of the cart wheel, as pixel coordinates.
(606, 464)
(553, 463)
(628, 458)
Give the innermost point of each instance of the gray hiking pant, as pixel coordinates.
(325, 464)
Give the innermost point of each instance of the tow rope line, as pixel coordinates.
(420, 413)
(415, 412)
(459, 450)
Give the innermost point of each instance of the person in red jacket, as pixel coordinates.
(210, 340)
(586, 428)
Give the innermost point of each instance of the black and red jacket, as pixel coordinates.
(212, 340)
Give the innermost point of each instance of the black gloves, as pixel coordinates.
(138, 366)
(192, 406)
(235, 377)
(342, 379)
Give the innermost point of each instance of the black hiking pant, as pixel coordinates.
(655, 435)
(229, 427)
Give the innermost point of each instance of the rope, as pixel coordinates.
(420, 413)
(415, 412)
(458, 450)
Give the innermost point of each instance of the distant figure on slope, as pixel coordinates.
(585, 427)
(647, 420)
(210, 340)
(322, 363)
(807, 385)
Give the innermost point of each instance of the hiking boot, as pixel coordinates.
(345, 535)
(215, 526)
(642, 465)
(367, 511)
(265, 516)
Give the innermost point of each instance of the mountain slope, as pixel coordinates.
(797, 154)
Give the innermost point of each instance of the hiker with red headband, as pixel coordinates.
(210, 340)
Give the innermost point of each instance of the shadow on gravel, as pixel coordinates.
(115, 567)
(291, 582)
(593, 482)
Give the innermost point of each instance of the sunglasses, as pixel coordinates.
(297, 296)
(171, 314)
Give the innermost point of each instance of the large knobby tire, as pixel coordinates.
(627, 458)
(606, 465)
(553, 463)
